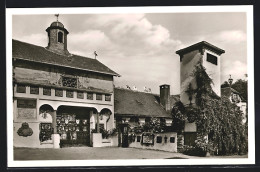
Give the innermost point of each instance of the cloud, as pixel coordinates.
(236, 69)
(231, 36)
(37, 39)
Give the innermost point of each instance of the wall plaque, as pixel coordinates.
(25, 130)
(26, 103)
(26, 113)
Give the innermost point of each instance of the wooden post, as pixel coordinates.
(54, 122)
(98, 122)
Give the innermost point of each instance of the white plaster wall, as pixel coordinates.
(213, 71)
(170, 147)
(188, 62)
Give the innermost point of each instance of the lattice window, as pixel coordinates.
(212, 59)
(34, 90)
(98, 96)
(80, 95)
(90, 96)
(21, 88)
(59, 92)
(47, 91)
(69, 94)
(107, 97)
(69, 82)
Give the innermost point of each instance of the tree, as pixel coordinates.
(241, 86)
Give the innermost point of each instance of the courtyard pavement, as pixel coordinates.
(90, 153)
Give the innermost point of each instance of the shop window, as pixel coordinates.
(59, 92)
(80, 95)
(107, 97)
(159, 139)
(138, 139)
(212, 59)
(60, 37)
(90, 96)
(46, 91)
(98, 96)
(69, 81)
(21, 88)
(69, 94)
(34, 90)
(172, 139)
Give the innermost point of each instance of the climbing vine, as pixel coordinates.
(216, 117)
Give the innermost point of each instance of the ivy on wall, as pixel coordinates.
(216, 118)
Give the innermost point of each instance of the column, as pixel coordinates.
(54, 122)
(98, 122)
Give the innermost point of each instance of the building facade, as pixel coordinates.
(59, 97)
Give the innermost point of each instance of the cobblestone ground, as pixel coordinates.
(90, 153)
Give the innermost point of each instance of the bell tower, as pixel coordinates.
(57, 38)
(209, 55)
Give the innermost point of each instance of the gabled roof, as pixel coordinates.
(226, 91)
(30, 52)
(134, 103)
(201, 45)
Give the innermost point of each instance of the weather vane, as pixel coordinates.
(57, 15)
(95, 53)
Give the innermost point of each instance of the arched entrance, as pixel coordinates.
(73, 125)
(46, 123)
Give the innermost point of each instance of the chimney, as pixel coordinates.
(165, 97)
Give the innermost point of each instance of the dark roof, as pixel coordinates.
(202, 44)
(25, 51)
(226, 91)
(134, 103)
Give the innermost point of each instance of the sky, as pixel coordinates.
(141, 46)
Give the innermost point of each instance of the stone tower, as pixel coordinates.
(189, 57)
(57, 37)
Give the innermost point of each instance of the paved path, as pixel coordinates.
(90, 153)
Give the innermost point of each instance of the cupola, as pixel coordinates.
(57, 37)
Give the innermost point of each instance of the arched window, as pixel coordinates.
(60, 37)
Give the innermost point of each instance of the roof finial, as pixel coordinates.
(95, 53)
(57, 15)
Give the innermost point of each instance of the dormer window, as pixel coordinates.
(60, 37)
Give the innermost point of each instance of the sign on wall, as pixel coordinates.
(26, 109)
(148, 138)
(26, 113)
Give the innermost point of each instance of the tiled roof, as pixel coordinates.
(134, 103)
(25, 51)
(227, 91)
